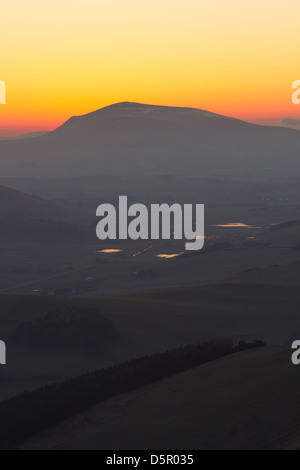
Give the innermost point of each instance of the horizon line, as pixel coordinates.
(6, 135)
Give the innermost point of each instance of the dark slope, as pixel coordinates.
(18, 204)
(243, 402)
(28, 218)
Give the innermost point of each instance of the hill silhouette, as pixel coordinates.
(136, 139)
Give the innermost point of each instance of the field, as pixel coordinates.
(50, 246)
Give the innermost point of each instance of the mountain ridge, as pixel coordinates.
(133, 139)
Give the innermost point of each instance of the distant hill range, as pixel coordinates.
(132, 139)
(285, 225)
(30, 135)
(20, 205)
(26, 217)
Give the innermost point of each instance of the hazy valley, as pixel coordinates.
(70, 304)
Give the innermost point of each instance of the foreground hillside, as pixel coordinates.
(246, 401)
(261, 303)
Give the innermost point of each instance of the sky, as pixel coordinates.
(61, 58)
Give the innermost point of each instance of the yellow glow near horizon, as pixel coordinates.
(109, 251)
(236, 225)
(169, 256)
(69, 57)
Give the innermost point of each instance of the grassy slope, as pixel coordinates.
(246, 401)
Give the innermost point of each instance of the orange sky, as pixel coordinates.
(69, 57)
